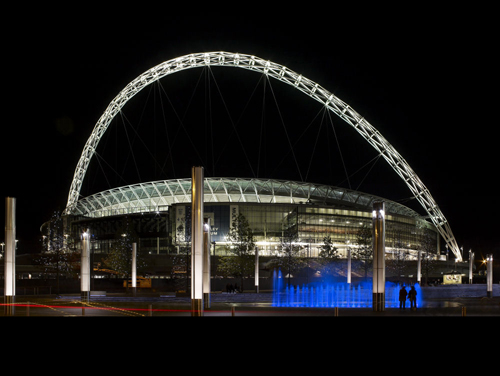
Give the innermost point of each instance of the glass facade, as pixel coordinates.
(312, 224)
(159, 214)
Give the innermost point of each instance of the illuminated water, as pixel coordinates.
(335, 294)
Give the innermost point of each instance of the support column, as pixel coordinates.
(85, 267)
(256, 277)
(419, 268)
(206, 262)
(378, 232)
(489, 275)
(471, 265)
(197, 241)
(10, 255)
(348, 265)
(134, 269)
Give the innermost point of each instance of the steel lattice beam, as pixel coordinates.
(283, 74)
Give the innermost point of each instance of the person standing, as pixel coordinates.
(402, 298)
(412, 295)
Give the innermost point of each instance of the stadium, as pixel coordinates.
(162, 208)
(160, 215)
(158, 212)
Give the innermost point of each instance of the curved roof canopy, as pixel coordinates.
(159, 195)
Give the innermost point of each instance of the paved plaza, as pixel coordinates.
(229, 305)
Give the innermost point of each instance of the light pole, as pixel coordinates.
(10, 255)
(471, 263)
(378, 232)
(257, 269)
(197, 179)
(489, 275)
(85, 267)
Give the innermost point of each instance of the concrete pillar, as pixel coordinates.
(256, 276)
(378, 232)
(471, 265)
(489, 275)
(85, 267)
(419, 268)
(10, 255)
(206, 262)
(197, 241)
(134, 268)
(348, 265)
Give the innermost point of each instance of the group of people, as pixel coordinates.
(230, 289)
(411, 295)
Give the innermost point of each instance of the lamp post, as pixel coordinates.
(85, 267)
(348, 263)
(419, 267)
(378, 231)
(471, 263)
(257, 269)
(10, 255)
(206, 262)
(489, 275)
(197, 241)
(134, 269)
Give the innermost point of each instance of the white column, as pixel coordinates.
(378, 232)
(489, 275)
(471, 265)
(10, 253)
(197, 241)
(85, 267)
(348, 265)
(419, 267)
(256, 269)
(134, 268)
(206, 262)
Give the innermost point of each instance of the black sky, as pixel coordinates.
(423, 77)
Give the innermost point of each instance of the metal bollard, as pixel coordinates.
(150, 310)
(233, 311)
(464, 311)
(336, 311)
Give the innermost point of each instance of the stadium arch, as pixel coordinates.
(283, 74)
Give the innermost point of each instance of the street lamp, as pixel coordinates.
(489, 275)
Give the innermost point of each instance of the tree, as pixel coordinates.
(56, 255)
(241, 263)
(427, 246)
(119, 257)
(364, 248)
(398, 264)
(328, 254)
(181, 262)
(288, 258)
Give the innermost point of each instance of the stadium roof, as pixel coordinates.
(159, 195)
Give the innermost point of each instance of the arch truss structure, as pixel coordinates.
(283, 74)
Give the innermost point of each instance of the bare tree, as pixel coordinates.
(56, 255)
(288, 257)
(363, 250)
(427, 246)
(328, 255)
(119, 258)
(241, 262)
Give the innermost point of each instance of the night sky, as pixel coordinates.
(423, 77)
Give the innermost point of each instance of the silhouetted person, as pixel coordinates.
(402, 298)
(412, 295)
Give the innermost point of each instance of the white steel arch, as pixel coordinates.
(283, 74)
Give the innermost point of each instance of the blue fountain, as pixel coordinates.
(334, 294)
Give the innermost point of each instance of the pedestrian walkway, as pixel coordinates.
(238, 304)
